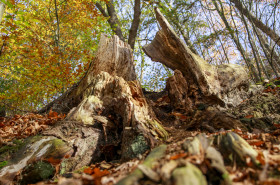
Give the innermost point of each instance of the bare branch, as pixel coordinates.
(101, 10)
(135, 24)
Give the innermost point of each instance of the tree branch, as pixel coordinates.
(135, 23)
(101, 10)
(113, 20)
(267, 30)
(57, 23)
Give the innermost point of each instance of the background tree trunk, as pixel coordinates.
(267, 30)
(242, 51)
(2, 10)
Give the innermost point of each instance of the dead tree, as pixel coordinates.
(195, 81)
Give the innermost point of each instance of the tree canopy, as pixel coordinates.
(45, 48)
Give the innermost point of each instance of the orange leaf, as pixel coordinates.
(54, 161)
(260, 158)
(177, 156)
(256, 142)
(271, 182)
(67, 156)
(53, 114)
(276, 125)
(249, 116)
(88, 171)
(98, 175)
(276, 132)
(179, 115)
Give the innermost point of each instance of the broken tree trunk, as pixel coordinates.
(108, 103)
(195, 81)
(108, 117)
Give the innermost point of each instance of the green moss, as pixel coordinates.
(39, 171)
(139, 145)
(8, 150)
(81, 170)
(58, 143)
(62, 168)
(3, 163)
(58, 148)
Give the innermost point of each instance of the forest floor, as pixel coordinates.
(249, 154)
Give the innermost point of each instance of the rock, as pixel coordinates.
(255, 89)
(188, 175)
(137, 174)
(218, 174)
(197, 146)
(231, 144)
(258, 112)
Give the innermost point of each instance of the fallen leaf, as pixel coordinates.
(88, 170)
(249, 116)
(255, 142)
(53, 161)
(177, 156)
(98, 174)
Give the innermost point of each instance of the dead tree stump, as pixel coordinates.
(109, 116)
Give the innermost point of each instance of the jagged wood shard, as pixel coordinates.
(223, 85)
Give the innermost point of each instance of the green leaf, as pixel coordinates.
(8, 16)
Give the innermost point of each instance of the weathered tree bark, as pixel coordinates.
(110, 100)
(257, 57)
(135, 23)
(195, 81)
(180, 27)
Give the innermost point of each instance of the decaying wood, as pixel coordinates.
(114, 57)
(178, 92)
(223, 85)
(109, 114)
